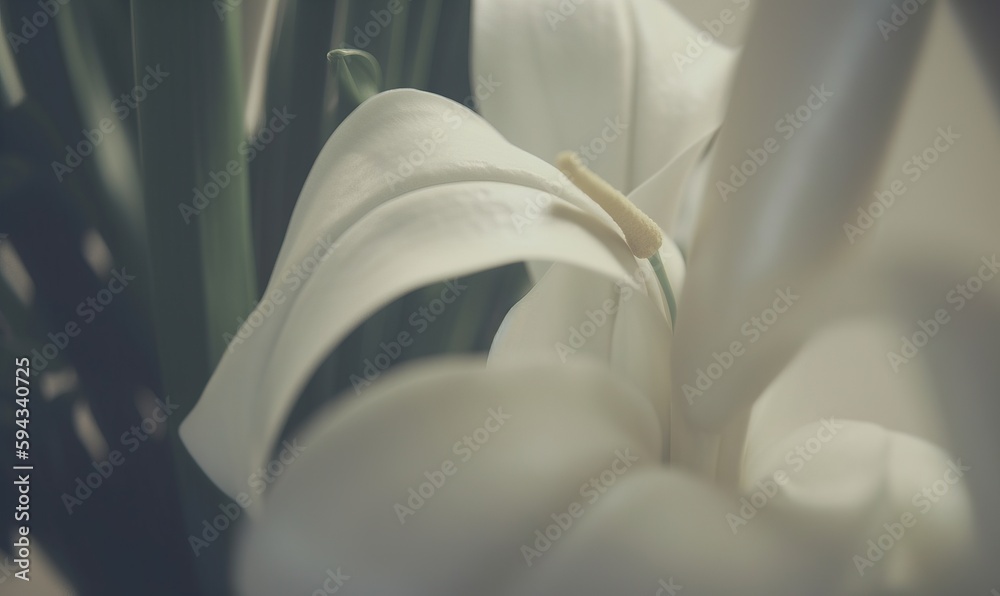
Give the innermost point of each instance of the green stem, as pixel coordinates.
(190, 131)
(397, 49)
(661, 276)
(426, 37)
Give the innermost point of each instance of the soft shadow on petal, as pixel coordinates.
(843, 372)
(573, 313)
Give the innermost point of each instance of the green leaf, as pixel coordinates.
(358, 74)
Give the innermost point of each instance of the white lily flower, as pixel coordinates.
(412, 189)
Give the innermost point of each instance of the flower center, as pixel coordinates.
(642, 234)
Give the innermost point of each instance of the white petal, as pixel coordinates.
(336, 506)
(658, 526)
(573, 313)
(660, 196)
(843, 372)
(404, 140)
(415, 240)
(550, 312)
(599, 77)
(783, 227)
(445, 228)
(848, 482)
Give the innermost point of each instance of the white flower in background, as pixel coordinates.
(546, 470)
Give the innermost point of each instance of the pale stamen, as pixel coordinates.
(642, 234)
